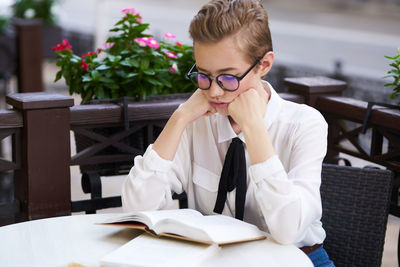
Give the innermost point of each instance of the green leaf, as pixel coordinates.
(126, 63)
(111, 57)
(132, 74)
(95, 75)
(106, 80)
(121, 73)
(394, 72)
(154, 81)
(99, 92)
(394, 65)
(119, 22)
(149, 72)
(393, 58)
(144, 63)
(58, 76)
(86, 78)
(87, 97)
(102, 67)
(141, 27)
(134, 63)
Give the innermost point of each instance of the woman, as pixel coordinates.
(277, 146)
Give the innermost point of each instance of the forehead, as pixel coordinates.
(215, 56)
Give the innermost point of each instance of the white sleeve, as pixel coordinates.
(290, 201)
(152, 179)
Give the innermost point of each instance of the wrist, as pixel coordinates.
(253, 125)
(179, 117)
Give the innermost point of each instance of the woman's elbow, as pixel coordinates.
(284, 237)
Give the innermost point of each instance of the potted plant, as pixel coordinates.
(45, 11)
(131, 64)
(395, 74)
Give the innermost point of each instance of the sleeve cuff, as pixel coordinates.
(268, 168)
(153, 162)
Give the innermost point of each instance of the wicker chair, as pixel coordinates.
(355, 206)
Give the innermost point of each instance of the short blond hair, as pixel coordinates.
(246, 19)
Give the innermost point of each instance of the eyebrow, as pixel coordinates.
(218, 71)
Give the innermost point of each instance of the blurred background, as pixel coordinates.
(345, 39)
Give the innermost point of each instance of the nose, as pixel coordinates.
(215, 90)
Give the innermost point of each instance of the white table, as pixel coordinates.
(76, 239)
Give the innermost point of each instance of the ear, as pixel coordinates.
(266, 63)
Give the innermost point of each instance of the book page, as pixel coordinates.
(220, 229)
(146, 251)
(150, 218)
(158, 216)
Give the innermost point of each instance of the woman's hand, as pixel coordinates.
(248, 111)
(167, 142)
(249, 107)
(195, 107)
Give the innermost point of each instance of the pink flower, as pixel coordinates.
(108, 45)
(129, 11)
(63, 46)
(84, 65)
(141, 42)
(178, 44)
(147, 41)
(169, 35)
(132, 11)
(153, 43)
(170, 54)
(173, 68)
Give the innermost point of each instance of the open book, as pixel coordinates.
(189, 224)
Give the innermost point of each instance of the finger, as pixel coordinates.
(262, 92)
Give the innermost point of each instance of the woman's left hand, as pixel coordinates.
(249, 107)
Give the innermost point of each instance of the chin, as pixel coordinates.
(223, 111)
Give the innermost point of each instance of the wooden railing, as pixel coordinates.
(108, 136)
(10, 126)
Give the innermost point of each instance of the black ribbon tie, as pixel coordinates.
(233, 176)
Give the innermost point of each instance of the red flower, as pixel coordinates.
(64, 45)
(179, 44)
(88, 54)
(84, 65)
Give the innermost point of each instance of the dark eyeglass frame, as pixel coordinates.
(189, 74)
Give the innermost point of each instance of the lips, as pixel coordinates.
(219, 104)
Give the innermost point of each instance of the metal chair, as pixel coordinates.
(355, 205)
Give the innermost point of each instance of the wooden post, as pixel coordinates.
(29, 53)
(42, 184)
(313, 87)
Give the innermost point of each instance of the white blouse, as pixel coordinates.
(283, 196)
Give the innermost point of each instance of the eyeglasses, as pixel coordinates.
(227, 82)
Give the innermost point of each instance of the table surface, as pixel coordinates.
(62, 241)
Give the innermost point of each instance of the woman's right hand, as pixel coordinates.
(167, 142)
(195, 107)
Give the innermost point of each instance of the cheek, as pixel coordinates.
(246, 84)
